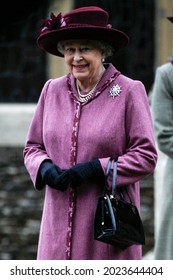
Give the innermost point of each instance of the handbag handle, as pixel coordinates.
(111, 211)
(114, 178)
(114, 175)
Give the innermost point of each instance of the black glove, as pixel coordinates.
(85, 171)
(54, 176)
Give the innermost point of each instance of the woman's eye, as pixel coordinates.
(69, 50)
(85, 49)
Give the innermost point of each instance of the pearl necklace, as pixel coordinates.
(85, 97)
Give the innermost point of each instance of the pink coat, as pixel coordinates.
(68, 132)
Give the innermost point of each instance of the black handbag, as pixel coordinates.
(117, 222)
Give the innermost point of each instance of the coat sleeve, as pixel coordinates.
(34, 151)
(162, 110)
(140, 156)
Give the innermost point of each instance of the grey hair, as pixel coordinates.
(106, 49)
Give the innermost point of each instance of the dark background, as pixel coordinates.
(23, 65)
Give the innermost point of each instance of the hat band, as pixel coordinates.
(86, 25)
(59, 22)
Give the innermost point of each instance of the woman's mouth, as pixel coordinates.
(80, 67)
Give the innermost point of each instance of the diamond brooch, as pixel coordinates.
(115, 91)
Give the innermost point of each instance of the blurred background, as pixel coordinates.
(24, 68)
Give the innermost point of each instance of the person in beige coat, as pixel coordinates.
(162, 110)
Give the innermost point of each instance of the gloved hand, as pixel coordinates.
(54, 176)
(85, 171)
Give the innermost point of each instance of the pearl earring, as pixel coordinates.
(103, 60)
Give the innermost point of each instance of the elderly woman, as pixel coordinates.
(82, 119)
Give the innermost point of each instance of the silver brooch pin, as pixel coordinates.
(115, 91)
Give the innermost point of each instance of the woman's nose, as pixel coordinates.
(77, 56)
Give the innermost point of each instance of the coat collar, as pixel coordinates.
(109, 76)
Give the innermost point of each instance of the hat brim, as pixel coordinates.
(170, 18)
(114, 37)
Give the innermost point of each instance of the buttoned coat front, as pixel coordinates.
(116, 122)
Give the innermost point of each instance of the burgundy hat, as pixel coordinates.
(82, 23)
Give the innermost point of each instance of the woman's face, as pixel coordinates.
(83, 60)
